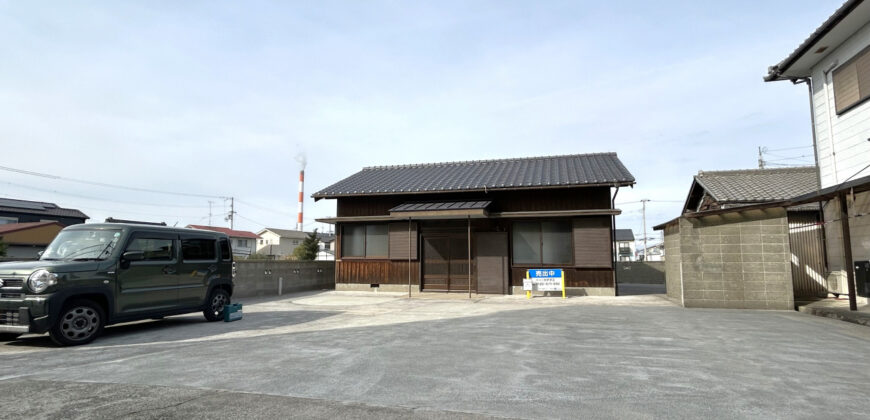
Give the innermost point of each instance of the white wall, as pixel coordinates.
(276, 245)
(841, 140)
(240, 250)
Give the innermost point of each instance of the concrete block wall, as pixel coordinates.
(742, 261)
(643, 272)
(673, 261)
(256, 278)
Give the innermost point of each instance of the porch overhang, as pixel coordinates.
(403, 216)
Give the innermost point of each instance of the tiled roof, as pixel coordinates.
(483, 175)
(758, 185)
(623, 234)
(39, 208)
(15, 227)
(286, 233)
(446, 205)
(230, 232)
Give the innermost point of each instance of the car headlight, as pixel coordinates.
(41, 280)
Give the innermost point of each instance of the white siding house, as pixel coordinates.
(835, 63)
(279, 243)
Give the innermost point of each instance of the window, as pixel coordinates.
(295, 242)
(242, 243)
(225, 249)
(154, 249)
(542, 243)
(7, 220)
(365, 241)
(261, 242)
(198, 249)
(852, 82)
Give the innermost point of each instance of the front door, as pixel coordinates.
(150, 284)
(492, 262)
(445, 263)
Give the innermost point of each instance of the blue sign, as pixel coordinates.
(545, 273)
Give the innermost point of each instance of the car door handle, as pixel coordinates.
(168, 270)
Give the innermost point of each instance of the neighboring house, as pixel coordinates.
(26, 240)
(623, 244)
(834, 63)
(410, 226)
(279, 243)
(243, 243)
(653, 253)
(21, 211)
(740, 243)
(325, 246)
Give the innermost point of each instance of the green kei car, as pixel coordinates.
(93, 275)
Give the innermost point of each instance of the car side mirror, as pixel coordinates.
(39, 254)
(133, 256)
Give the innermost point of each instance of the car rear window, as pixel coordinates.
(198, 249)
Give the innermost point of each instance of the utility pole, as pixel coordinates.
(209, 212)
(760, 157)
(232, 212)
(644, 230)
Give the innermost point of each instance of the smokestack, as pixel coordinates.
(301, 189)
(302, 162)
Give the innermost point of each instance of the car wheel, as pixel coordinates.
(8, 336)
(80, 322)
(214, 309)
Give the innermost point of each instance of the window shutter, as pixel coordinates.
(846, 86)
(592, 246)
(399, 241)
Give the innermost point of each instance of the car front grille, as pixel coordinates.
(17, 282)
(9, 318)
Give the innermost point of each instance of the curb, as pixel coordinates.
(860, 318)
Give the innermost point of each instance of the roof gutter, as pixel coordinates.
(774, 73)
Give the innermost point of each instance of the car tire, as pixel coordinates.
(80, 322)
(214, 306)
(9, 336)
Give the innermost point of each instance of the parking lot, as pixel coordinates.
(334, 354)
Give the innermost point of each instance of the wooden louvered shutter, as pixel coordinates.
(592, 242)
(852, 82)
(399, 241)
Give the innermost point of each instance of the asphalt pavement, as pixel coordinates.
(347, 355)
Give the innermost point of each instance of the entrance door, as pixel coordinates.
(492, 262)
(445, 263)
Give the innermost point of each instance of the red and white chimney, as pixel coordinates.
(301, 189)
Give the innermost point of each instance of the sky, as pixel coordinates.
(217, 99)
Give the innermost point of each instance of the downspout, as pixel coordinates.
(809, 82)
(613, 241)
(828, 111)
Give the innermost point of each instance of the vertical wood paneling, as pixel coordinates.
(808, 258)
(399, 241)
(592, 241)
(376, 272)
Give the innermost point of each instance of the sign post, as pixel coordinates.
(544, 280)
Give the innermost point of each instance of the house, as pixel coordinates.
(325, 247)
(623, 244)
(653, 253)
(22, 211)
(279, 243)
(26, 240)
(477, 226)
(243, 243)
(833, 63)
(739, 243)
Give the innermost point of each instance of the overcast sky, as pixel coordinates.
(217, 98)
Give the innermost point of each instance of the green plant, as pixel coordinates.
(307, 250)
(3, 248)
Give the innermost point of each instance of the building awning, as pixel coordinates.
(404, 216)
(441, 209)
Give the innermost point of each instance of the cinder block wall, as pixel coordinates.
(262, 278)
(673, 260)
(737, 261)
(644, 272)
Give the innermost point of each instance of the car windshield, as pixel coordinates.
(82, 245)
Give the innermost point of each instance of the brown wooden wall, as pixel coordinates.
(582, 198)
(592, 242)
(376, 272)
(399, 241)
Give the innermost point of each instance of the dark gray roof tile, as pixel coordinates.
(521, 173)
(758, 185)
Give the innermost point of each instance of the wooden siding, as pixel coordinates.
(399, 241)
(552, 199)
(808, 258)
(376, 272)
(592, 242)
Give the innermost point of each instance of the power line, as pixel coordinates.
(103, 184)
(85, 197)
